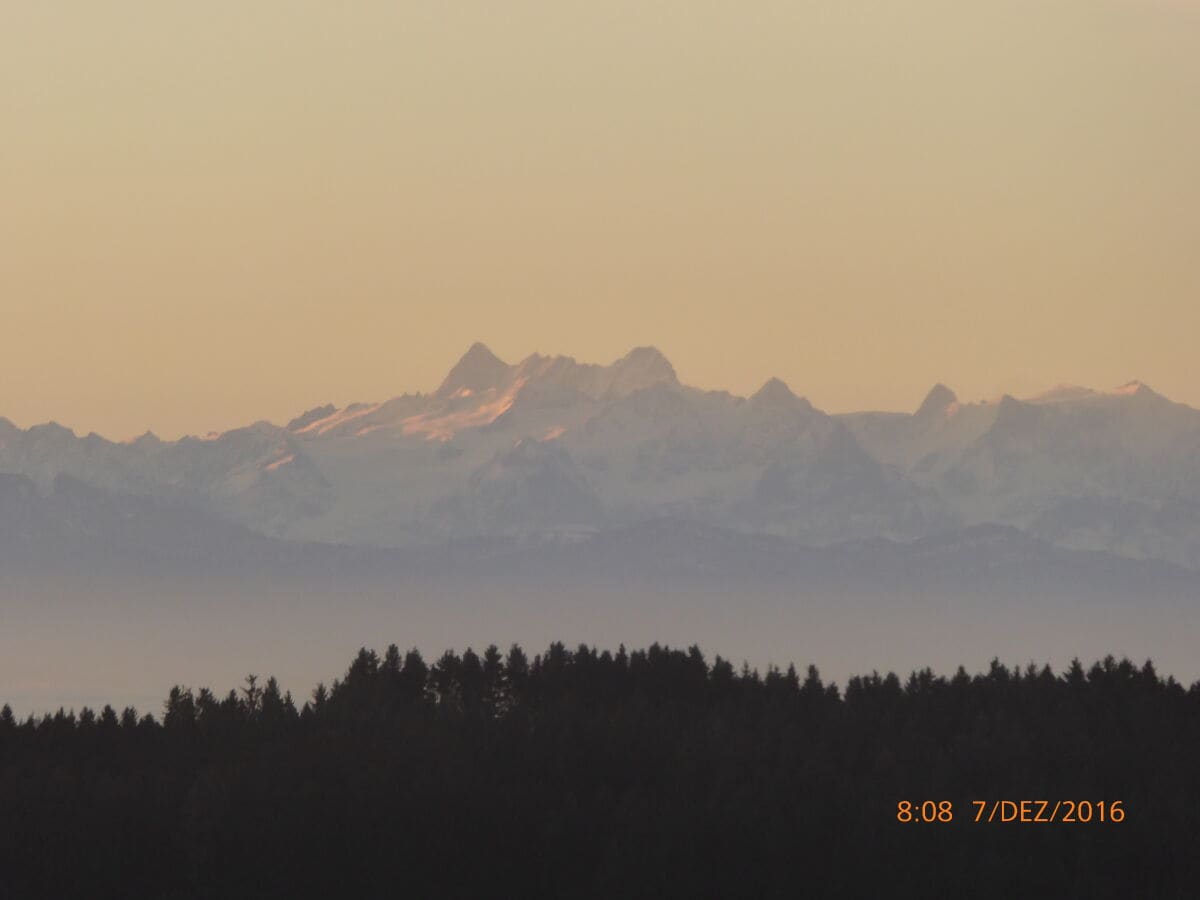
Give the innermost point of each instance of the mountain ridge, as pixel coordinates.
(549, 443)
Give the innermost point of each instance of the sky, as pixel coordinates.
(222, 212)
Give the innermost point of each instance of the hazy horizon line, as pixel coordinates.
(994, 397)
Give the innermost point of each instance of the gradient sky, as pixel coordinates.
(216, 212)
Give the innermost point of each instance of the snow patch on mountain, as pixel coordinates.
(551, 444)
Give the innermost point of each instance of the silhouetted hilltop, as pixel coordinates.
(653, 773)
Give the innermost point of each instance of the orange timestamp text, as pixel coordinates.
(1066, 812)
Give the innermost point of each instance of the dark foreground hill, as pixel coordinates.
(586, 774)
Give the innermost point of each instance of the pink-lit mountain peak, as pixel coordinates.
(481, 388)
(479, 370)
(1072, 393)
(1136, 389)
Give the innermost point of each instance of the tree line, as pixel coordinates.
(582, 773)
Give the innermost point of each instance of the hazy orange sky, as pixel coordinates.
(214, 213)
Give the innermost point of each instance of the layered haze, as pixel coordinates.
(549, 446)
(888, 273)
(546, 498)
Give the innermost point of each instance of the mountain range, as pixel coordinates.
(552, 500)
(549, 448)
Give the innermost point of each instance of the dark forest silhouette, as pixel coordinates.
(594, 774)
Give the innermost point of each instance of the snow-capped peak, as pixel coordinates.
(1135, 389)
(478, 370)
(1062, 393)
(1068, 393)
(305, 419)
